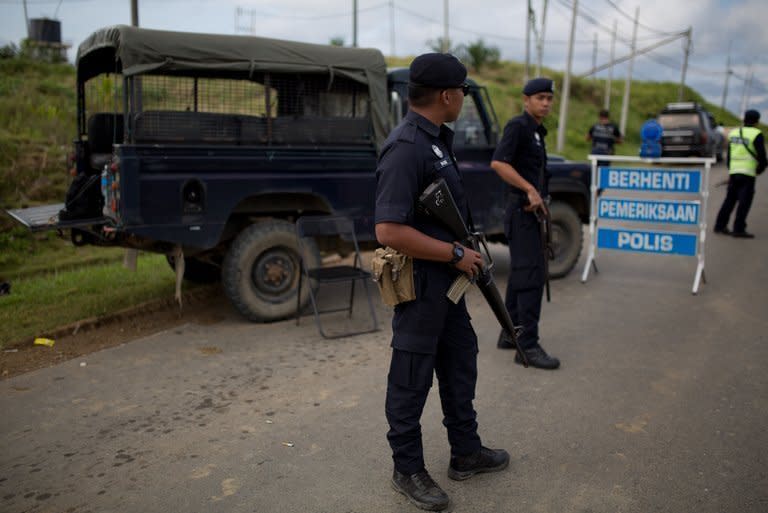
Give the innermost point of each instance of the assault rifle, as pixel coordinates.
(545, 232)
(438, 201)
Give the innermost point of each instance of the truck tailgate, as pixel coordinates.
(46, 217)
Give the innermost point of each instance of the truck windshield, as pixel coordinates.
(682, 120)
(469, 128)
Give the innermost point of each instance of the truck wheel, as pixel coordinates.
(261, 270)
(566, 239)
(197, 271)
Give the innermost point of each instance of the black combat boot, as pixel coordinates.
(421, 490)
(539, 358)
(484, 460)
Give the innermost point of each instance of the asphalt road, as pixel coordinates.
(660, 406)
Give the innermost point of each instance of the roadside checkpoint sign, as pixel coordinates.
(647, 242)
(659, 180)
(649, 209)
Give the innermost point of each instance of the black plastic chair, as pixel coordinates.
(307, 228)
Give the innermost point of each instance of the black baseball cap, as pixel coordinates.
(751, 117)
(539, 85)
(437, 70)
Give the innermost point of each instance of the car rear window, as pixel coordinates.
(681, 120)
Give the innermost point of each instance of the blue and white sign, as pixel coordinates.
(669, 243)
(660, 180)
(649, 211)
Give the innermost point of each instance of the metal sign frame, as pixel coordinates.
(703, 192)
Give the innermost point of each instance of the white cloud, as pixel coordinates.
(499, 22)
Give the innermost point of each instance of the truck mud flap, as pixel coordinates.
(46, 217)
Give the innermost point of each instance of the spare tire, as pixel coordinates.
(567, 239)
(261, 270)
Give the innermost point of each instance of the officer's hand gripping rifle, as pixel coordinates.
(438, 201)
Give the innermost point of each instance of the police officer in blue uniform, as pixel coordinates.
(520, 160)
(431, 334)
(604, 135)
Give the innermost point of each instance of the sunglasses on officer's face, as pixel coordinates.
(463, 87)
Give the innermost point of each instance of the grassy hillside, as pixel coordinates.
(38, 108)
(505, 86)
(37, 125)
(587, 95)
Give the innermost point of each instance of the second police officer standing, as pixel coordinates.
(431, 334)
(520, 160)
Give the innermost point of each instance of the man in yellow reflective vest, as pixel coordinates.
(746, 160)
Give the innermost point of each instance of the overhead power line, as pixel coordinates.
(481, 34)
(593, 19)
(630, 18)
(345, 14)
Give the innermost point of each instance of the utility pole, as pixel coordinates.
(392, 28)
(527, 69)
(26, 17)
(625, 100)
(354, 23)
(607, 102)
(745, 91)
(749, 90)
(566, 83)
(727, 76)
(446, 40)
(686, 53)
(594, 53)
(135, 13)
(540, 41)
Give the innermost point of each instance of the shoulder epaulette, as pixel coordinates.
(408, 133)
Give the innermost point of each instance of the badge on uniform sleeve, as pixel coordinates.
(437, 151)
(538, 139)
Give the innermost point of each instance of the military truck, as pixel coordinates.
(209, 147)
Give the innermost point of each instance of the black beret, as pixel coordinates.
(437, 70)
(539, 85)
(751, 117)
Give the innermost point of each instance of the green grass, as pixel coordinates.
(43, 302)
(25, 254)
(37, 109)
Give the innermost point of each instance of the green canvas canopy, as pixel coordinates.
(133, 51)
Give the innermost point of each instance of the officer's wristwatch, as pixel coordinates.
(458, 253)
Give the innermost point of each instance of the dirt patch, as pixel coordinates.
(202, 305)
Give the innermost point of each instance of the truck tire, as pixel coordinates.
(261, 270)
(197, 271)
(566, 238)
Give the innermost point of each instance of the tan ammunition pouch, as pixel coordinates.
(393, 272)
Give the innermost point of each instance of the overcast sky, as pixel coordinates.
(716, 24)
